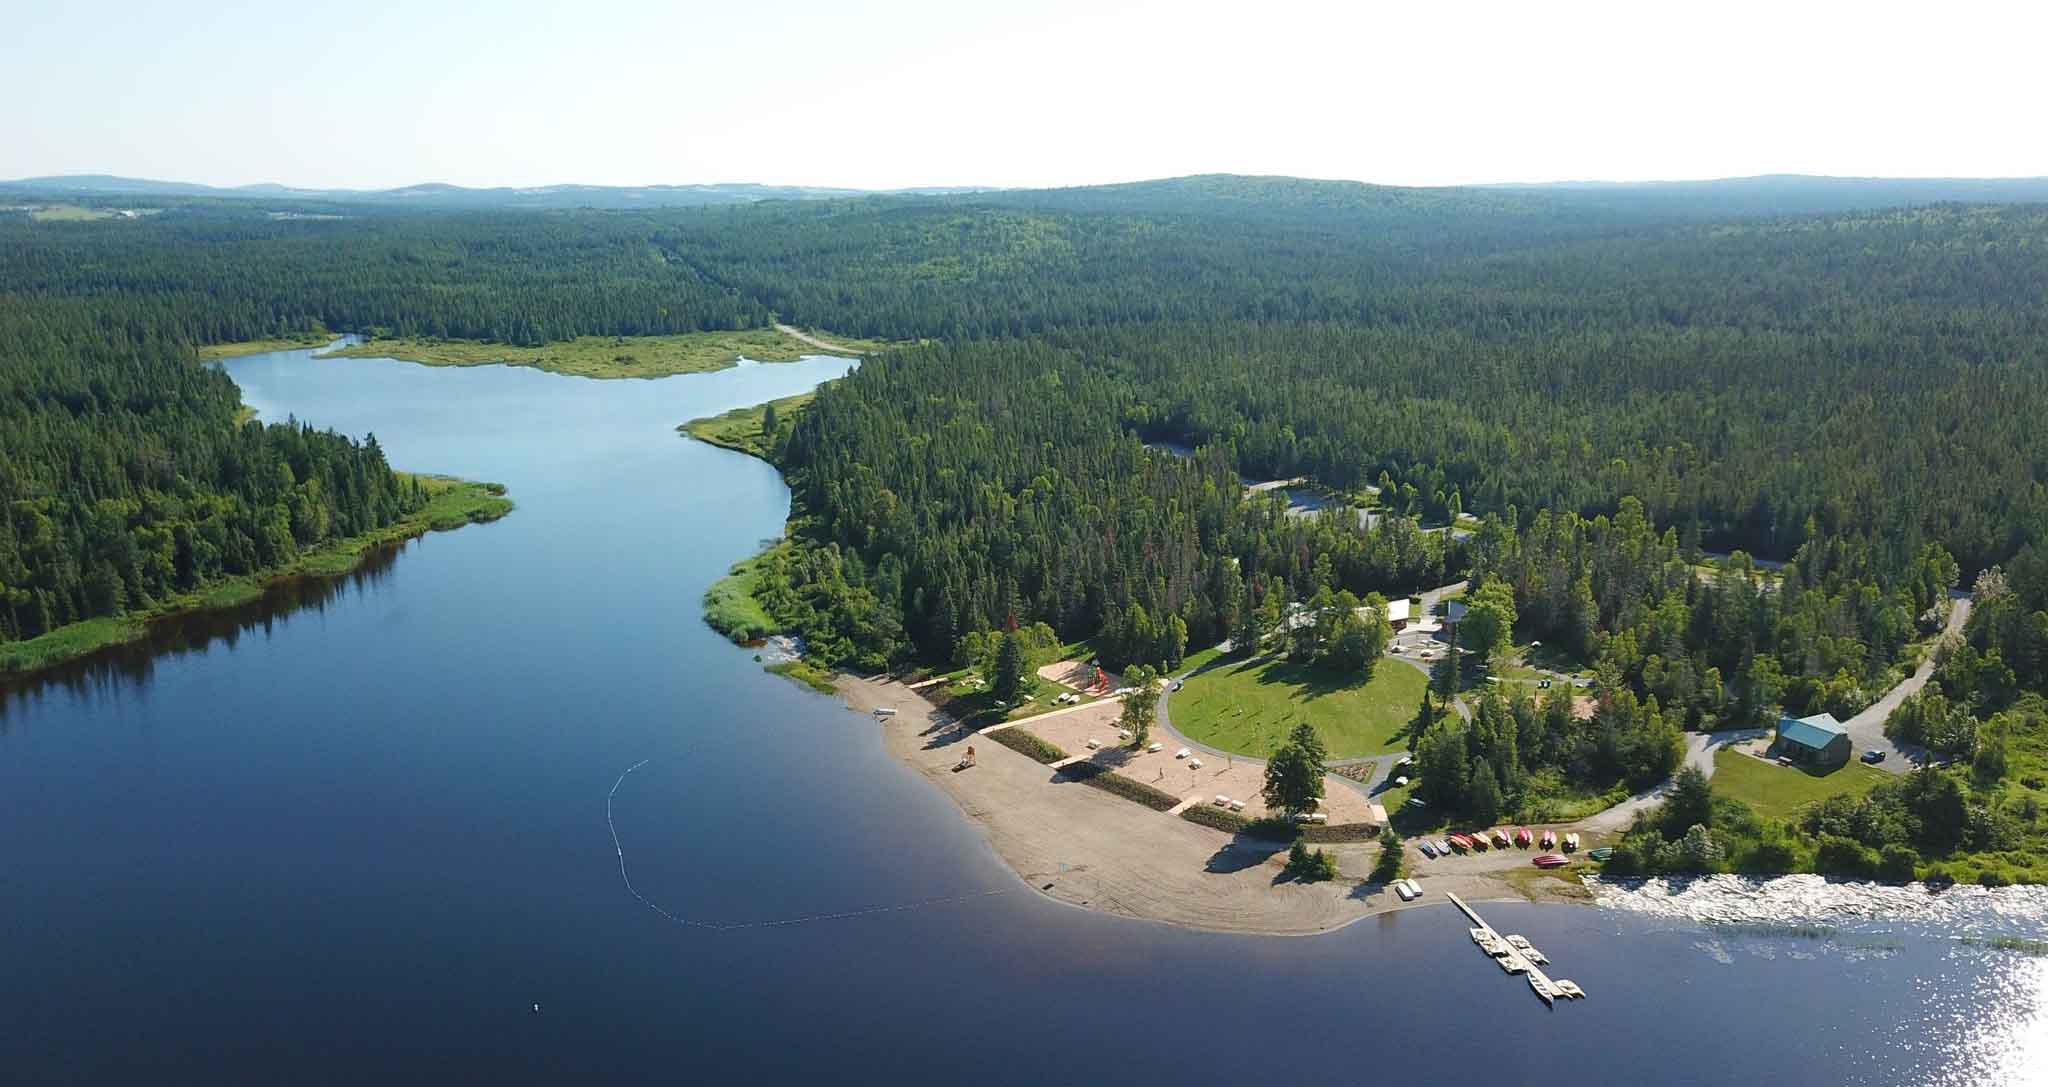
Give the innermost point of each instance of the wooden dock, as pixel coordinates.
(1514, 960)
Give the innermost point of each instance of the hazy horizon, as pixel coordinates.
(719, 182)
(375, 94)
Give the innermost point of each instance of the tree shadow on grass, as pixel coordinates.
(1310, 682)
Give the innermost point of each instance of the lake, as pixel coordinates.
(355, 835)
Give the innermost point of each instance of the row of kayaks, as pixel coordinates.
(1480, 841)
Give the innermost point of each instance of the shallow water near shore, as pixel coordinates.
(356, 837)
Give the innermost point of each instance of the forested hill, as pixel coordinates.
(1865, 381)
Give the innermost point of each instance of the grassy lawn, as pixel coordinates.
(1199, 659)
(1250, 708)
(1778, 792)
(606, 356)
(740, 428)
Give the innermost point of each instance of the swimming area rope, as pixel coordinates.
(782, 922)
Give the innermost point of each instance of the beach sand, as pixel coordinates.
(1086, 847)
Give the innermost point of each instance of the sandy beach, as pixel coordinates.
(1089, 848)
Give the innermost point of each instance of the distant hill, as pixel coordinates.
(436, 195)
(1790, 194)
(1276, 200)
(1290, 198)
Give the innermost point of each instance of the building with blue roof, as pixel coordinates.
(1819, 740)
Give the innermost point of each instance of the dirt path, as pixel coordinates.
(1086, 847)
(822, 345)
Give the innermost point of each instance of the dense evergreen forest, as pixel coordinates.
(1844, 390)
(125, 477)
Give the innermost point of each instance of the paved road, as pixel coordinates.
(1866, 733)
(1699, 752)
(1866, 729)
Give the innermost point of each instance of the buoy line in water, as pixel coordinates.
(732, 926)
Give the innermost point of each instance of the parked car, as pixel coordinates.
(1873, 757)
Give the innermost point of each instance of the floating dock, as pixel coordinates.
(1517, 956)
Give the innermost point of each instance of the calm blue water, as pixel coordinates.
(358, 840)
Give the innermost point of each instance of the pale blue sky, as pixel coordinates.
(382, 92)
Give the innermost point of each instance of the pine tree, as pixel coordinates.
(1009, 678)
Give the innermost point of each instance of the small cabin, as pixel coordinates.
(1819, 740)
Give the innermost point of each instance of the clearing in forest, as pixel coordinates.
(1251, 707)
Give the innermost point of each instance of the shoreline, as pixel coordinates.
(608, 358)
(1086, 848)
(460, 503)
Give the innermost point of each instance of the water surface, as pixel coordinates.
(355, 836)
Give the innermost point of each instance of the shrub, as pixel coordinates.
(1339, 832)
(1392, 857)
(1774, 856)
(1843, 857)
(1309, 865)
(1276, 828)
(1896, 864)
(1103, 778)
(1216, 818)
(1029, 745)
(1991, 878)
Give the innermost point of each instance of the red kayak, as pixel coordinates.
(1551, 860)
(1522, 837)
(1549, 839)
(1479, 842)
(1463, 843)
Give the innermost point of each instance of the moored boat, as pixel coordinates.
(1460, 843)
(1571, 841)
(1427, 849)
(1478, 842)
(1523, 837)
(1551, 860)
(1500, 838)
(1601, 853)
(1550, 839)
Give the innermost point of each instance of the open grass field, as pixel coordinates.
(730, 607)
(68, 213)
(1778, 792)
(606, 356)
(453, 503)
(740, 429)
(214, 352)
(1250, 707)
